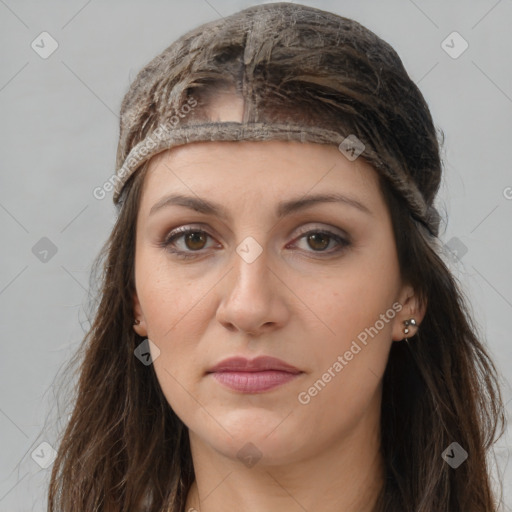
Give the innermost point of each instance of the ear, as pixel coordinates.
(139, 327)
(410, 308)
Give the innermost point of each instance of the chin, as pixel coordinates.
(255, 436)
(251, 451)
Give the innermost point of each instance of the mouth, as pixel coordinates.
(253, 376)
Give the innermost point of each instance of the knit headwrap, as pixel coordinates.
(320, 58)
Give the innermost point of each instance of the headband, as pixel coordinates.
(164, 138)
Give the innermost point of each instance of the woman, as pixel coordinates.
(277, 328)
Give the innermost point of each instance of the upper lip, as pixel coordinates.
(258, 364)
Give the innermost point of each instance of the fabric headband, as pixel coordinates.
(164, 138)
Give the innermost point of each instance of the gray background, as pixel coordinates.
(59, 135)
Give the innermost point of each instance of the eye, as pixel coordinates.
(194, 240)
(320, 239)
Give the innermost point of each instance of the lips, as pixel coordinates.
(253, 376)
(260, 364)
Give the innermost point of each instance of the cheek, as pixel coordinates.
(176, 316)
(167, 295)
(356, 305)
(353, 296)
(349, 366)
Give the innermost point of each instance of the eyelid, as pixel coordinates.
(340, 236)
(343, 241)
(178, 232)
(303, 230)
(318, 226)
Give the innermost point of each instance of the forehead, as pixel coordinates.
(265, 169)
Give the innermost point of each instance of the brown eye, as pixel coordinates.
(187, 242)
(323, 242)
(318, 241)
(195, 240)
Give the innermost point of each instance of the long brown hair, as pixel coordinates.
(124, 448)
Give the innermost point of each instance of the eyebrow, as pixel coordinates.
(284, 208)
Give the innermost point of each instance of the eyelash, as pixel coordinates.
(181, 232)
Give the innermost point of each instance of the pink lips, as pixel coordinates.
(253, 376)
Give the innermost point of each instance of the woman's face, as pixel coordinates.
(271, 268)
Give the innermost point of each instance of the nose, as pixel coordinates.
(253, 297)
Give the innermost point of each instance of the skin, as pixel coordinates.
(296, 302)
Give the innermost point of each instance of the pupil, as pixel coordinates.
(193, 238)
(316, 237)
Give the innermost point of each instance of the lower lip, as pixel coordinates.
(254, 382)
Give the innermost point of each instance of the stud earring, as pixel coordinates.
(137, 322)
(411, 321)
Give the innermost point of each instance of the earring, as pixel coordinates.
(411, 321)
(137, 322)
